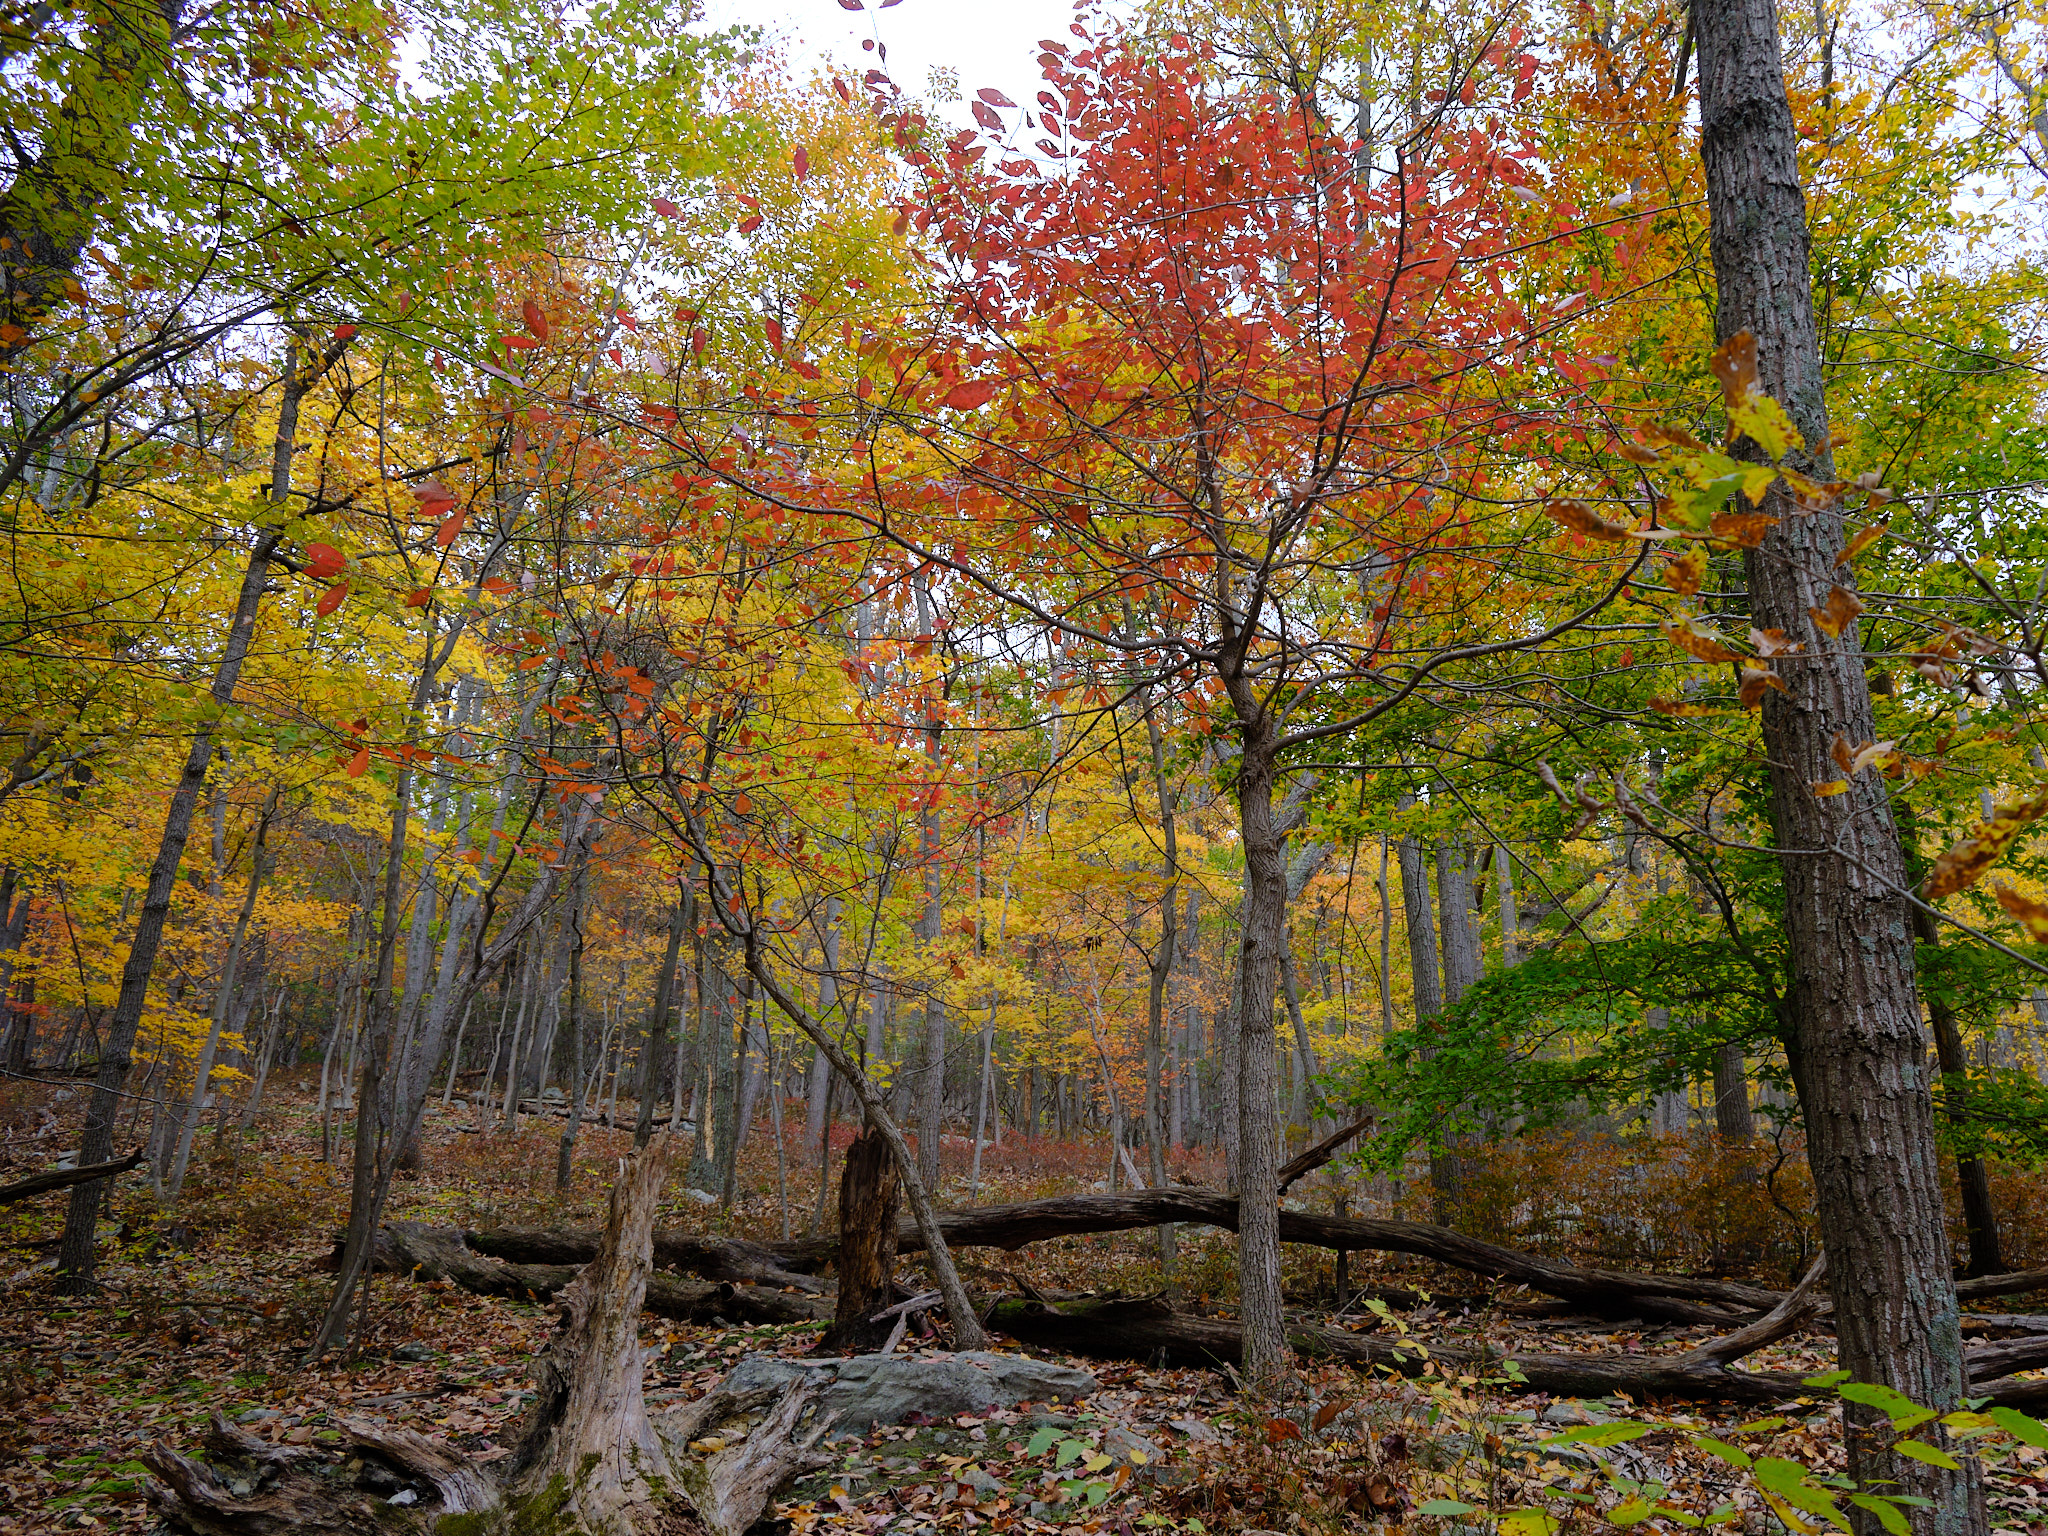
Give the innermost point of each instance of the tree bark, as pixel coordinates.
(1854, 1012)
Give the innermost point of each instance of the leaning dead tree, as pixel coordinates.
(591, 1458)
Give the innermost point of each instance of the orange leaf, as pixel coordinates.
(359, 762)
(1636, 453)
(1329, 1411)
(536, 319)
(1865, 537)
(1680, 709)
(331, 598)
(1843, 606)
(1581, 518)
(419, 598)
(324, 561)
(741, 804)
(445, 534)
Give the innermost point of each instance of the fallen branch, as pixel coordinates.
(1149, 1329)
(1304, 1163)
(440, 1253)
(64, 1178)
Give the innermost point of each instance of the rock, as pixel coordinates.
(413, 1352)
(1571, 1413)
(257, 1416)
(700, 1196)
(1194, 1429)
(1128, 1447)
(887, 1389)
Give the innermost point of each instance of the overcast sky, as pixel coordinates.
(989, 42)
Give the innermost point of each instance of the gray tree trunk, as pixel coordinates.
(1853, 1008)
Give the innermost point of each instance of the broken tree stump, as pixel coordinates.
(591, 1462)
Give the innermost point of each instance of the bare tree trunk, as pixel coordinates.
(1853, 1009)
(657, 1030)
(1732, 1118)
(75, 1255)
(202, 1071)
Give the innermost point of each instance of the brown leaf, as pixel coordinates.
(1329, 1411)
(1686, 570)
(1840, 752)
(1843, 606)
(1734, 364)
(1681, 709)
(1963, 865)
(1581, 518)
(1636, 453)
(1698, 642)
(1772, 642)
(1745, 530)
(1675, 437)
(2031, 913)
(1755, 682)
(1865, 537)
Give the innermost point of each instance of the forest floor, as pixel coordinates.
(206, 1309)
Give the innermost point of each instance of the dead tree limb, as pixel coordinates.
(64, 1178)
(1305, 1163)
(1148, 1328)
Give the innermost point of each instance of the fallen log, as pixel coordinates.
(712, 1258)
(64, 1178)
(1148, 1328)
(1304, 1163)
(2018, 1282)
(591, 1460)
(440, 1253)
(1012, 1226)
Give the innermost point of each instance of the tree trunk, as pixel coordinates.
(1732, 1117)
(1854, 1012)
(657, 1030)
(869, 1198)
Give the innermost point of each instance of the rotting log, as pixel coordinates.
(1147, 1328)
(424, 1252)
(591, 1460)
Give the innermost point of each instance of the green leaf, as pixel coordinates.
(1899, 1408)
(2022, 1427)
(1887, 1512)
(1790, 1482)
(1720, 1448)
(1825, 1380)
(1069, 1449)
(1920, 1450)
(1529, 1522)
(1446, 1507)
(1758, 1426)
(1631, 1511)
(1042, 1441)
(1599, 1434)
(1097, 1492)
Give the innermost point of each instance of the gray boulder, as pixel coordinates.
(867, 1390)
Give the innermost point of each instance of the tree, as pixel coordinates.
(1855, 1013)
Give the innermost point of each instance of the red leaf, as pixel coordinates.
(536, 320)
(324, 561)
(331, 599)
(802, 160)
(344, 333)
(845, 91)
(749, 224)
(699, 339)
(774, 329)
(419, 598)
(986, 116)
(359, 762)
(445, 534)
(973, 394)
(864, 388)
(851, 5)
(995, 98)
(665, 208)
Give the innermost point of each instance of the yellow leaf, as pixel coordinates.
(1831, 787)
(1685, 571)
(1764, 422)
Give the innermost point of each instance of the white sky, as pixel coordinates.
(989, 42)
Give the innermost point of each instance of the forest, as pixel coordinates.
(1304, 789)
